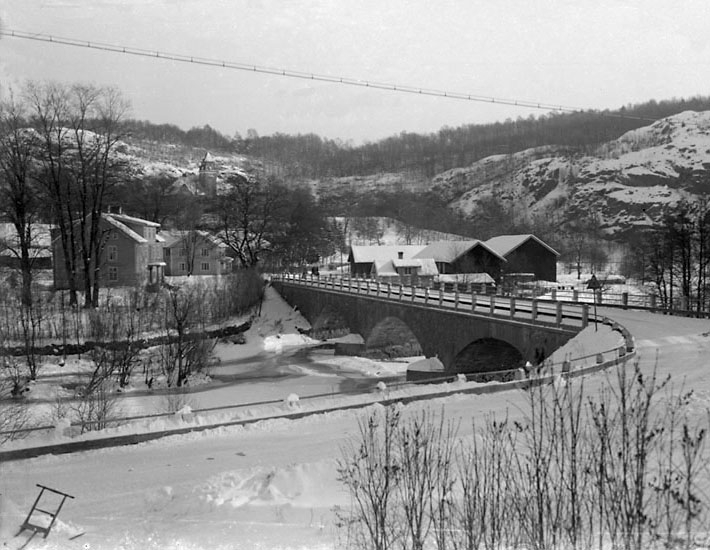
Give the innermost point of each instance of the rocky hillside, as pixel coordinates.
(627, 182)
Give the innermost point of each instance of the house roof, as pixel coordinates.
(425, 267)
(381, 254)
(41, 233)
(174, 236)
(385, 269)
(130, 219)
(112, 220)
(448, 251)
(428, 267)
(34, 253)
(505, 244)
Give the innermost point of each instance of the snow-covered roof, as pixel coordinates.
(385, 269)
(41, 235)
(131, 219)
(424, 267)
(448, 251)
(478, 278)
(381, 254)
(174, 236)
(504, 244)
(112, 220)
(34, 253)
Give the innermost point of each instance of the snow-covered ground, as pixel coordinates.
(273, 360)
(273, 484)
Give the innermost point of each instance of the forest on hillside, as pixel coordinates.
(423, 155)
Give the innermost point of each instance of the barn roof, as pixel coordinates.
(505, 244)
(448, 251)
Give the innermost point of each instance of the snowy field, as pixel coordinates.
(273, 484)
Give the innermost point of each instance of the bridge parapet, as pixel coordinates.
(566, 315)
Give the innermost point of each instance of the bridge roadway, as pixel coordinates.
(467, 332)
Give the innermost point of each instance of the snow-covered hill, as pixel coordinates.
(626, 182)
(151, 158)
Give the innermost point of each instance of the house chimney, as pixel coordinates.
(400, 255)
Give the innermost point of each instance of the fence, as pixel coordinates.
(518, 378)
(567, 294)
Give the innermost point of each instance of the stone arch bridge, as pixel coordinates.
(468, 333)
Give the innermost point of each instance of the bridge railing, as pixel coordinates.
(557, 313)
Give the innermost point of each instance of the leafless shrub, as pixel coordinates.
(14, 415)
(176, 400)
(95, 410)
(370, 471)
(622, 468)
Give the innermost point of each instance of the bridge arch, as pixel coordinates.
(486, 355)
(392, 337)
(330, 322)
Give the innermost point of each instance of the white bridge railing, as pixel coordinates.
(560, 314)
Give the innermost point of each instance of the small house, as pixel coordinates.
(362, 259)
(405, 271)
(194, 252)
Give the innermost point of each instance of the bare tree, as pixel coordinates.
(18, 192)
(79, 127)
(249, 216)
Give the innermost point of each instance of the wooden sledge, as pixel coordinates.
(34, 527)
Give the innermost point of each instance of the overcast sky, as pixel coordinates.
(588, 54)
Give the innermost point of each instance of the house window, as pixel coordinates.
(182, 252)
(112, 253)
(114, 235)
(113, 274)
(205, 251)
(205, 266)
(182, 267)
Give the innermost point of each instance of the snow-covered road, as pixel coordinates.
(273, 484)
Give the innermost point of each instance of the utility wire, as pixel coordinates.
(301, 75)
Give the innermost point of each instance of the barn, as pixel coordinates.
(526, 254)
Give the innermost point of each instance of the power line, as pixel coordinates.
(300, 74)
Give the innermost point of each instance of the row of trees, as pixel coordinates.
(312, 156)
(59, 164)
(675, 256)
